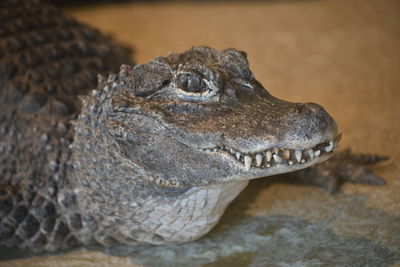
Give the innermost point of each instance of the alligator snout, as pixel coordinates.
(308, 125)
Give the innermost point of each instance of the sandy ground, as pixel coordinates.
(344, 55)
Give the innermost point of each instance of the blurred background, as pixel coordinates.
(344, 55)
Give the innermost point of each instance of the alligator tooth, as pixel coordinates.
(303, 160)
(291, 162)
(268, 165)
(310, 153)
(247, 162)
(111, 78)
(286, 154)
(276, 150)
(237, 155)
(207, 150)
(231, 150)
(259, 159)
(335, 146)
(330, 147)
(297, 154)
(317, 153)
(277, 158)
(268, 155)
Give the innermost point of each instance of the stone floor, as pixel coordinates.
(344, 55)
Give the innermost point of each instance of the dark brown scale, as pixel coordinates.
(72, 242)
(76, 221)
(37, 37)
(29, 227)
(14, 45)
(60, 233)
(39, 241)
(47, 59)
(48, 210)
(19, 214)
(33, 102)
(6, 231)
(5, 207)
(48, 224)
(8, 70)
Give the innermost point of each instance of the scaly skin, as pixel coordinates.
(47, 59)
(156, 153)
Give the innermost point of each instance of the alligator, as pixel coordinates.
(155, 153)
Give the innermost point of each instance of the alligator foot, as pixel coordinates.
(342, 167)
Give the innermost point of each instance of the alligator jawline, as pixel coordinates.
(277, 156)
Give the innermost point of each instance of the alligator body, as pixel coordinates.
(47, 60)
(153, 155)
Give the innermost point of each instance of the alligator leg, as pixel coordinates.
(342, 167)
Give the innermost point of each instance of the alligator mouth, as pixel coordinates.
(278, 156)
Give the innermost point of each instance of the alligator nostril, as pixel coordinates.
(303, 110)
(308, 109)
(313, 107)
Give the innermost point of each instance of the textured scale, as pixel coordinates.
(46, 60)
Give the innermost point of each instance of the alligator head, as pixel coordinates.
(202, 118)
(179, 137)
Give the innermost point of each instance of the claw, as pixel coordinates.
(364, 159)
(368, 159)
(362, 175)
(373, 179)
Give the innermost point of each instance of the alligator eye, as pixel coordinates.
(191, 83)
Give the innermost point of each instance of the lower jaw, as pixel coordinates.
(282, 168)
